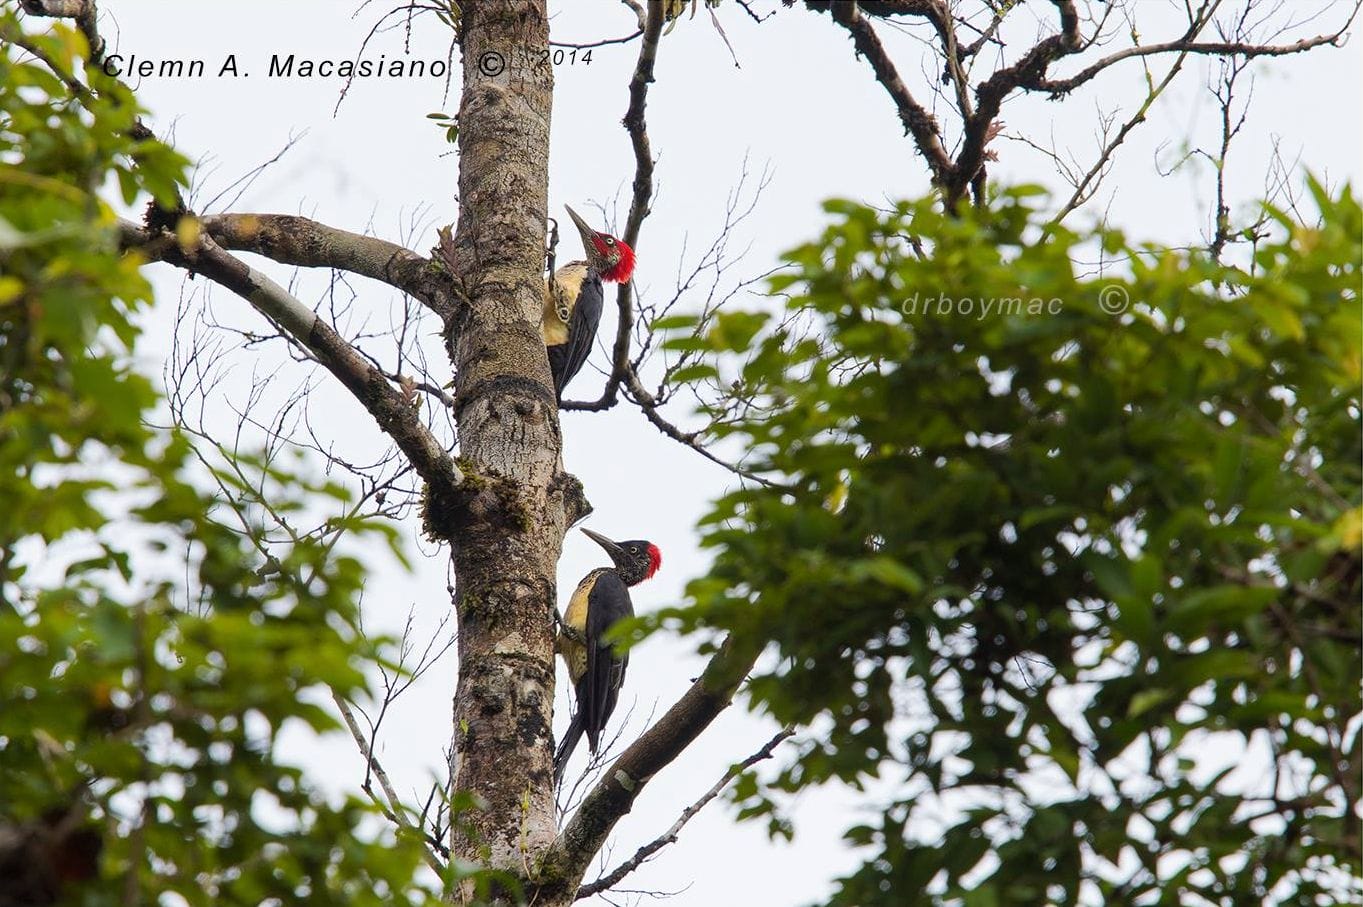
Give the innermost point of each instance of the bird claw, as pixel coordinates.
(552, 248)
(568, 632)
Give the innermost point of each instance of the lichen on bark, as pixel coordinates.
(509, 435)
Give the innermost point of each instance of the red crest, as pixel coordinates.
(623, 269)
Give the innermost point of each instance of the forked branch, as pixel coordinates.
(614, 795)
(642, 855)
(918, 122)
(388, 405)
(956, 175)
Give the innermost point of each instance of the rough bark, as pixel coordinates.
(506, 549)
(505, 554)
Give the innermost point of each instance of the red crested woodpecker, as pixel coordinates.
(573, 300)
(595, 667)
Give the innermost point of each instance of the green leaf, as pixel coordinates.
(1229, 605)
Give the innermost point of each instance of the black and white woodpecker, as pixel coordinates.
(595, 667)
(573, 300)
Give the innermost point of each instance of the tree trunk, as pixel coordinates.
(507, 534)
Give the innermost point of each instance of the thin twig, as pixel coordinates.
(1085, 188)
(604, 42)
(649, 406)
(670, 836)
(394, 809)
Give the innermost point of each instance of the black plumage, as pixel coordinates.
(584, 316)
(595, 666)
(574, 297)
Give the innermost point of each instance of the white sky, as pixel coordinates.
(801, 105)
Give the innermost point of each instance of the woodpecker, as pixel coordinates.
(595, 667)
(573, 299)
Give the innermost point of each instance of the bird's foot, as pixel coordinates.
(568, 632)
(551, 248)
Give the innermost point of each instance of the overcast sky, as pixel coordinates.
(800, 107)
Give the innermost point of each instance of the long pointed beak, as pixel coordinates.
(582, 227)
(611, 547)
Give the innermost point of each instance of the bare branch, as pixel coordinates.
(989, 96)
(604, 42)
(614, 795)
(642, 193)
(293, 240)
(918, 122)
(284, 238)
(394, 809)
(1244, 49)
(649, 406)
(387, 404)
(1088, 184)
(746, 6)
(641, 855)
(1231, 70)
(989, 33)
(640, 14)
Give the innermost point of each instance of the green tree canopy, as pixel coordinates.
(1072, 589)
(150, 651)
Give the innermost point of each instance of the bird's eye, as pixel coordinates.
(610, 240)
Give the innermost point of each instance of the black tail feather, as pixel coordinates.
(566, 747)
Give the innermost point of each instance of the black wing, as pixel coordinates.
(600, 685)
(567, 359)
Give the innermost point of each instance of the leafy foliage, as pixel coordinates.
(1070, 586)
(149, 654)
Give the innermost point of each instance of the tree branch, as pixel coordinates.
(397, 813)
(293, 240)
(918, 122)
(642, 193)
(648, 404)
(388, 405)
(1088, 184)
(670, 836)
(966, 172)
(1060, 87)
(614, 795)
(989, 96)
(938, 15)
(284, 238)
(85, 14)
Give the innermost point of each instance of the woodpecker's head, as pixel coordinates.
(635, 560)
(608, 256)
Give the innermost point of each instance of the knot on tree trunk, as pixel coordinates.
(480, 504)
(568, 491)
